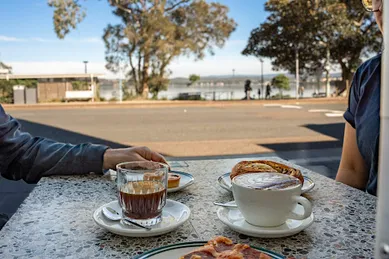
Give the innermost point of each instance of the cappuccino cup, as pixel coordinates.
(268, 199)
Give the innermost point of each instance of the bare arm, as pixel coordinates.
(352, 169)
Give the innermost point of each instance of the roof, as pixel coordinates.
(13, 76)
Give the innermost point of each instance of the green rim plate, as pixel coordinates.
(161, 250)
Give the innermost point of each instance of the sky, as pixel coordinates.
(28, 42)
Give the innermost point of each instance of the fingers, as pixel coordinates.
(157, 157)
(147, 154)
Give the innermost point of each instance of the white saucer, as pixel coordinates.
(174, 214)
(234, 219)
(185, 181)
(225, 182)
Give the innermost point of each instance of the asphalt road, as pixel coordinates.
(194, 131)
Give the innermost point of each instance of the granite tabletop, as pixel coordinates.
(55, 221)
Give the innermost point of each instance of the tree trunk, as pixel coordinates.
(145, 77)
(347, 77)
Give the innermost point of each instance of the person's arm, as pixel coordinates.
(29, 158)
(352, 169)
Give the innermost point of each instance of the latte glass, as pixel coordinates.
(142, 191)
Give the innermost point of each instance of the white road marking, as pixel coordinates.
(334, 114)
(325, 110)
(272, 105)
(291, 107)
(319, 110)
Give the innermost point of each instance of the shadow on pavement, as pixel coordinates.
(61, 135)
(335, 130)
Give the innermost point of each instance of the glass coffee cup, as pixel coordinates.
(142, 191)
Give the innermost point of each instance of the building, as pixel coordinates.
(52, 87)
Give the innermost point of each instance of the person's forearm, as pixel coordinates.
(351, 178)
(30, 158)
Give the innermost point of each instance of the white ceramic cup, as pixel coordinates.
(268, 199)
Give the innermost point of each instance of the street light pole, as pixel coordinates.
(86, 66)
(262, 81)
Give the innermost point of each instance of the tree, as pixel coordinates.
(281, 82)
(193, 78)
(80, 85)
(152, 33)
(157, 84)
(314, 29)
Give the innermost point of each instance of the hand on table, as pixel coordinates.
(112, 157)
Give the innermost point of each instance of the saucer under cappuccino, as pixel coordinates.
(268, 199)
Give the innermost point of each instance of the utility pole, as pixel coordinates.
(86, 78)
(233, 73)
(328, 68)
(297, 73)
(121, 83)
(262, 81)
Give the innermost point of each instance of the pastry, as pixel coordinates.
(223, 248)
(173, 180)
(265, 166)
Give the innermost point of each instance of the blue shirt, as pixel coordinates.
(29, 158)
(363, 114)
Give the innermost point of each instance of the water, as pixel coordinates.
(229, 93)
(219, 92)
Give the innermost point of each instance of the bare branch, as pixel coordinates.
(175, 5)
(118, 5)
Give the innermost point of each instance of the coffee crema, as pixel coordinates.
(266, 181)
(142, 199)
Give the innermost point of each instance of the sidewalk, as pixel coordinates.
(155, 104)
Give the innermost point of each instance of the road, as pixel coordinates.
(195, 131)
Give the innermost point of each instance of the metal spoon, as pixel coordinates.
(113, 215)
(226, 205)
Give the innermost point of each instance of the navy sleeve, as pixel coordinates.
(353, 100)
(29, 158)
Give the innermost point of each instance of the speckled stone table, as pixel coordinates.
(55, 221)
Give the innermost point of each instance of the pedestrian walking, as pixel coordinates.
(268, 91)
(301, 91)
(247, 89)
